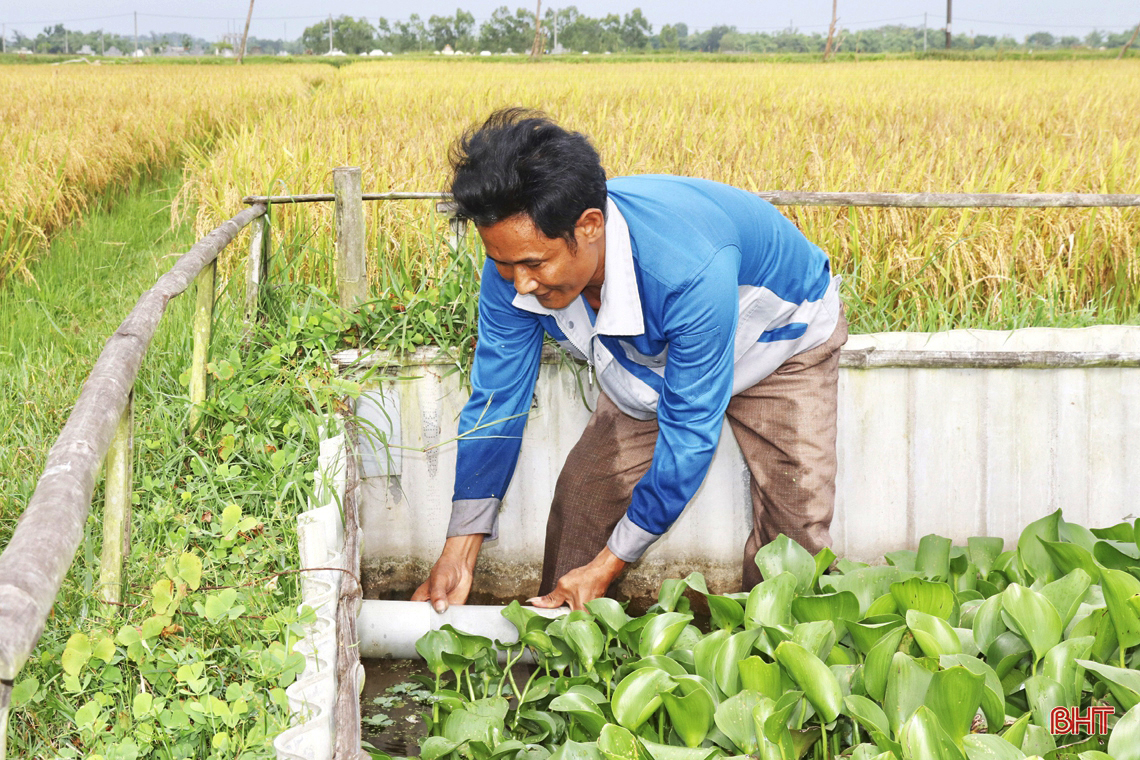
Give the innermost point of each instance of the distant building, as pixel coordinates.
(113, 52)
(85, 50)
(447, 50)
(140, 53)
(173, 51)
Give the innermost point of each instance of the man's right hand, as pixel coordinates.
(452, 574)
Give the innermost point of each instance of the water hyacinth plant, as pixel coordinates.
(944, 653)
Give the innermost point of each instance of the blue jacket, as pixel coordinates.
(707, 290)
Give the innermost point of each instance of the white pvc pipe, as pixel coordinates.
(391, 628)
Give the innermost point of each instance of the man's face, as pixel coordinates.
(547, 268)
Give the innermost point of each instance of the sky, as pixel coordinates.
(211, 19)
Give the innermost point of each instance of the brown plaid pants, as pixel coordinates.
(785, 425)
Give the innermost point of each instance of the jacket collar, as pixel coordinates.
(620, 312)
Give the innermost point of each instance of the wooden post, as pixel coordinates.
(203, 328)
(351, 270)
(256, 269)
(117, 512)
(458, 227)
(5, 700)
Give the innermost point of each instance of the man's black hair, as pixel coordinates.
(519, 161)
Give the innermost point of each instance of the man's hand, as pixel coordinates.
(582, 584)
(452, 574)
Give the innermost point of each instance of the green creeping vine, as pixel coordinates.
(945, 653)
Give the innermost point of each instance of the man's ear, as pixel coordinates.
(591, 226)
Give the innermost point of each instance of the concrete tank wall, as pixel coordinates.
(959, 451)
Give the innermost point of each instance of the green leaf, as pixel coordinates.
(660, 662)
(923, 738)
(1069, 557)
(1124, 683)
(524, 619)
(916, 594)
(734, 717)
(1006, 652)
(572, 750)
(1032, 556)
(872, 718)
(1124, 742)
(435, 747)
(1060, 664)
(785, 555)
(658, 635)
(907, 683)
(692, 714)
(954, 696)
(1037, 620)
(868, 632)
(770, 601)
(868, 583)
(993, 696)
(104, 650)
(587, 641)
(433, 644)
(88, 715)
(1118, 587)
(163, 597)
(1067, 593)
(670, 593)
(988, 622)
(190, 570)
(669, 752)
(933, 634)
(76, 653)
(25, 691)
(726, 666)
(761, 676)
(609, 612)
(990, 747)
(638, 696)
(705, 652)
(1044, 694)
(219, 605)
(725, 612)
(1038, 741)
(836, 608)
(933, 559)
(984, 551)
(814, 678)
(584, 712)
(616, 743)
(877, 666)
(818, 637)
(1015, 734)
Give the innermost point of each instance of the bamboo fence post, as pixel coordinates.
(458, 227)
(351, 270)
(256, 269)
(117, 511)
(203, 328)
(5, 700)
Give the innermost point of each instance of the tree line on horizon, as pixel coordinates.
(564, 29)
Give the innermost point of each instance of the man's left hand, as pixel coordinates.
(584, 583)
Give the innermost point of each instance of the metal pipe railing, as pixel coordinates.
(786, 198)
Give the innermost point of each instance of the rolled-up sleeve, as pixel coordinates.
(503, 375)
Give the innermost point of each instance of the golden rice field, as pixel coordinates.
(905, 126)
(72, 132)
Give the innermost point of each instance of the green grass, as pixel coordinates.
(209, 617)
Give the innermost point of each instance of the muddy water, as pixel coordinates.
(390, 681)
